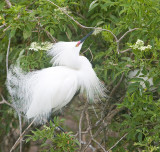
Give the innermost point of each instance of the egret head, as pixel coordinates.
(84, 38)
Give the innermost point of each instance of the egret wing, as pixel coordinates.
(53, 89)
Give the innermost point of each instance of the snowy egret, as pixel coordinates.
(38, 93)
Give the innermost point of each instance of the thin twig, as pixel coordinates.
(129, 49)
(91, 54)
(8, 3)
(50, 36)
(95, 111)
(90, 131)
(20, 130)
(113, 113)
(89, 123)
(80, 123)
(117, 46)
(112, 93)
(20, 137)
(86, 27)
(99, 145)
(95, 28)
(48, 33)
(9, 42)
(87, 146)
(131, 30)
(116, 87)
(117, 142)
(5, 102)
(89, 51)
(68, 37)
(2, 26)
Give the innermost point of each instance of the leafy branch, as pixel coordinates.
(95, 28)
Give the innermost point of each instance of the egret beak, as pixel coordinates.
(84, 38)
(79, 42)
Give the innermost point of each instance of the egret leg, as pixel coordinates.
(50, 119)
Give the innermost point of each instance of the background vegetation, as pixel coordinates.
(129, 119)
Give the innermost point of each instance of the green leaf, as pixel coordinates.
(2, 5)
(140, 137)
(69, 33)
(27, 32)
(51, 31)
(136, 80)
(93, 5)
(133, 87)
(13, 31)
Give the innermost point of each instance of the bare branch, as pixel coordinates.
(2, 26)
(20, 130)
(86, 27)
(95, 111)
(6, 28)
(89, 51)
(116, 87)
(5, 102)
(88, 122)
(127, 33)
(50, 36)
(8, 3)
(111, 115)
(20, 137)
(117, 142)
(9, 42)
(82, 26)
(90, 131)
(118, 46)
(129, 49)
(87, 146)
(68, 37)
(80, 123)
(99, 145)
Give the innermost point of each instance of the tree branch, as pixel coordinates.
(20, 137)
(99, 145)
(117, 142)
(116, 87)
(9, 42)
(5, 102)
(80, 123)
(8, 3)
(87, 27)
(82, 26)
(89, 51)
(127, 33)
(129, 49)
(2, 25)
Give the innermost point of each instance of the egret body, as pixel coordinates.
(41, 92)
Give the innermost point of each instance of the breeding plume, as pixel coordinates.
(38, 93)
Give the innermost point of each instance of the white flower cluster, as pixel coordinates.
(140, 45)
(40, 46)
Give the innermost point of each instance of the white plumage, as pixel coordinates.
(39, 93)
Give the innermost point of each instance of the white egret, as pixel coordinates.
(38, 93)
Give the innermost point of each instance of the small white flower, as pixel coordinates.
(139, 42)
(140, 45)
(40, 46)
(149, 46)
(142, 48)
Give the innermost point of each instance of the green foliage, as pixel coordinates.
(52, 141)
(30, 21)
(142, 121)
